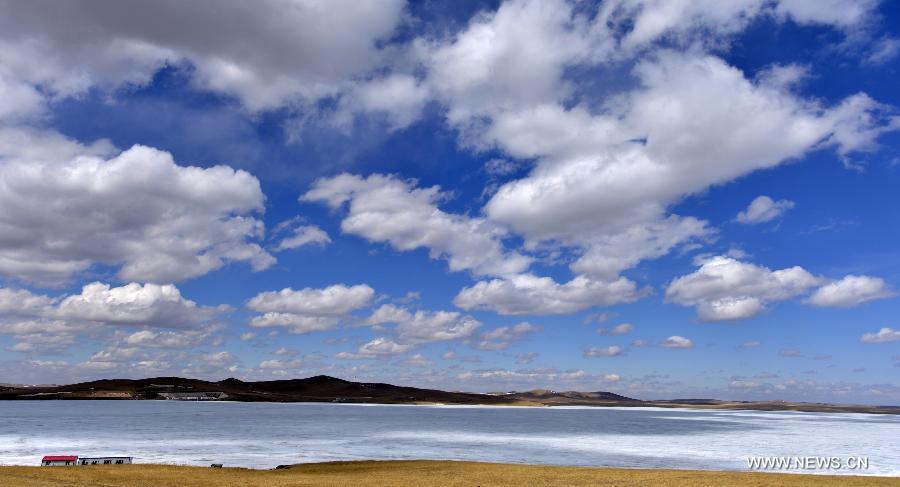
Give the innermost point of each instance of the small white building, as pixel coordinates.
(194, 396)
(58, 460)
(104, 460)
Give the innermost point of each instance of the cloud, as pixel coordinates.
(21, 302)
(217, 358)
(841, 13)
(295, 323)
(386, 209)
(294, 363)
(138, 362)
(97, 363)
(512, 57)
(502, 79)
(277, 53)
(536, 378)
(53, 364)
(606, 163)
(744, 384)
(265, 55)
(286, 351)
(605, 177)
(599, 317)
(502, 337)
(415, 328)
(65, 207)
(167, 339)
(47, 323)
(751, 344)
(724, 288)
(677, 342)
(22, 347)
(611, 351)
(620, 329)
(883, 50)
(418, 360)
(608, 255)
(529, 294)
(851, 291)
(21, 101)
(336, 300)
(517, 55)
(709, 21)
(884, 335)
(133, 304)
(378, 347)
(584, 183)
(500, 167)
(309, 309)
(43, 335)
(399, 98)
(763, 209)
(279, 364)
(304, 235)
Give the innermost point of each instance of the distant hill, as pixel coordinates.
(570, 397)
(320, 388)
(323, 388)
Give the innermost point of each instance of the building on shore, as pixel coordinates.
(58, 460)
(194, 396)
(104, 460)
(72, 460)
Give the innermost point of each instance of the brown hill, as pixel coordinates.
(322, 388)
(572, 398)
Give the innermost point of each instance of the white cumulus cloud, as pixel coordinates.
(724, 288)
(529, 294)
(309, 309)
(425, 326)
(502, 337)
(620, 329)
(763, 209)
(390, 210)
(611, 351)
(884, 335)
(304, 235)
(378, 347)
(266, 54)
(167, 319)
(676, 341)
(851, 291)
(65, 207)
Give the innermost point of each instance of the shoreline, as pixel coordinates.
(771, 407)
(412, 472)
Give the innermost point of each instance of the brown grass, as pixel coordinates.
(406, 473)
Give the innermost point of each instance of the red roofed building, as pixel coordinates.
(59, 460)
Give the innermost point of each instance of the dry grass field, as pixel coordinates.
(406, 473)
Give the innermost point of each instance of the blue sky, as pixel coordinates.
(661, 199)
